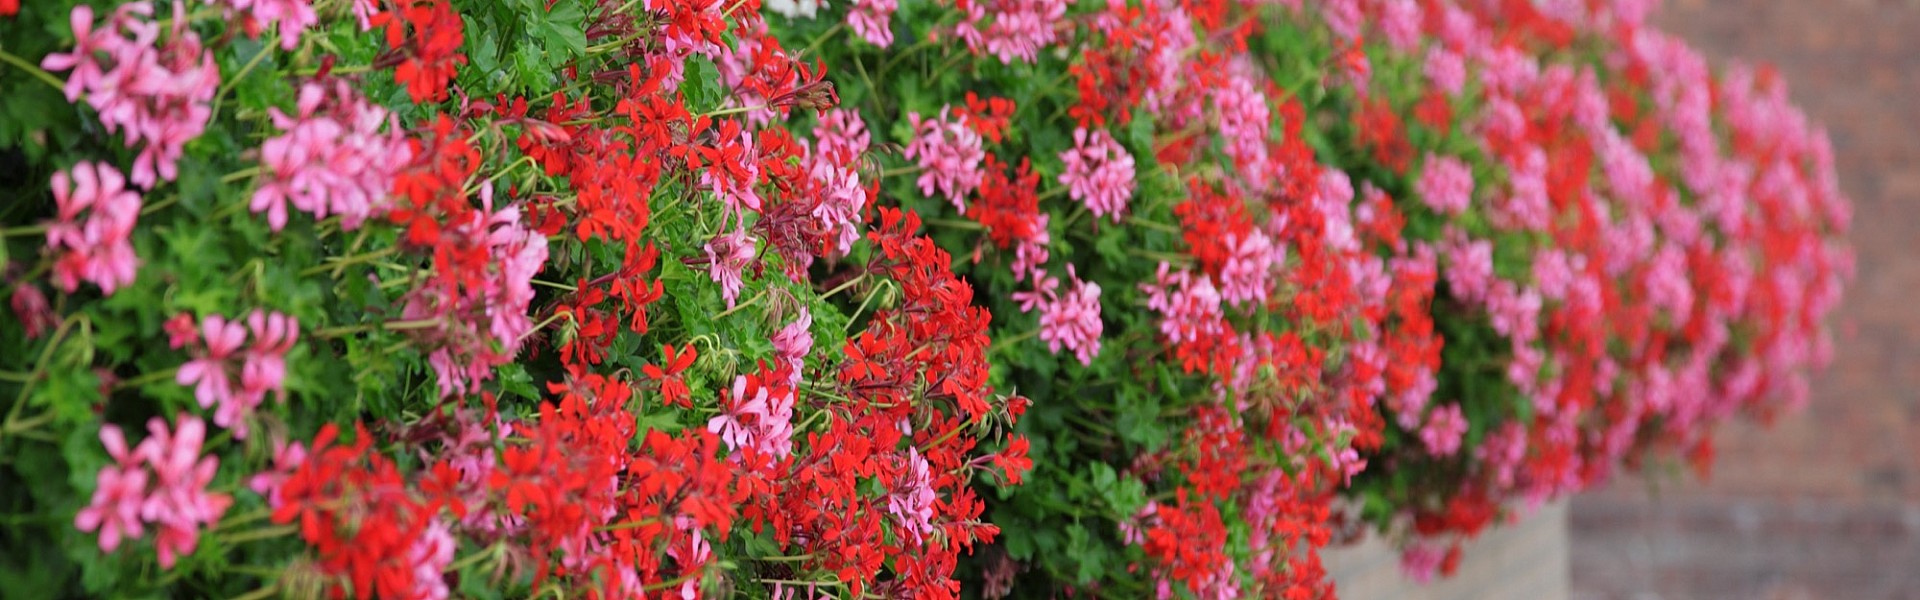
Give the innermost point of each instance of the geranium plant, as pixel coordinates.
(650, 298)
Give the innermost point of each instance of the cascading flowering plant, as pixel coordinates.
(1138, 298)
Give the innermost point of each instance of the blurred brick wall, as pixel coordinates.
(1826, 503)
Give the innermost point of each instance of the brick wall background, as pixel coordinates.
(1826, 503)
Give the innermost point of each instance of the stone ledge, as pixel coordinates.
(1522, 561)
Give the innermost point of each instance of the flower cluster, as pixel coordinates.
(1609, 276)
(473, 311)
(151, 93)
(222, 349)
(161, 482)
(872, 20)
(625, 300)
(1070, 318)
(1020, 28)
(95, 248)
(949, 154)
(1098, 172)
(331, 157)
(288, 18)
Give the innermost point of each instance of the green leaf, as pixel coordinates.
(701, 86)
(530, 67)
(515, 380)
(560, 28)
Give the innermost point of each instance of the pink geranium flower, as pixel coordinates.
(151, 93)
(1247, 276)
(1072, 320)
(793, 342)
(479, 319)
(287, 456)
(261, 368)
(91, 234)
(30, 307)
(180, 473)
(841, 135)
(1445, 426)
(1020, 28)
(1446, 70)
(727, 256)
(949, 154)
(735, 424)
(912, 499)
(1400, 22)
(291, 17)
(208, 372)
(1098, 173)
(120, 493)
(872, 20)
(1445, 185)
(162, 482)
(1188, 304)
(331, 157)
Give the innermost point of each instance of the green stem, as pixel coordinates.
(345, 330)
(864, 301)
(835, 30)
(23, 230)
(335, 264)
(265, 48)
(155, 207)
(736, 308)
(263, 593)
(31, 69)
(407, 325)
(146, 378)
(613, 45)
(471, 559)
(797, 582)
(240, 174)
(1171, 258)
(1088, 423)
(735, 110)
(1155, 225)
(30, 423)
(952, 62)
(627, 524)
(548, 321)
(1009, 342)
(860, 67)
(888, 66)
(10, 425)
(843, 287)
(261, 572)
(954, 224)
(807, 425)
(503, 172)
(263, 533)
(1078, 212)
(248, 518)
(338, 70)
